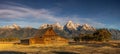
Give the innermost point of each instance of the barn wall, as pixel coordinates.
(48, 40)
(36, 40)
(25, 41)
(49, 37)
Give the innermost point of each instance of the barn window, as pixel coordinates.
(40, 37)
(52, 38)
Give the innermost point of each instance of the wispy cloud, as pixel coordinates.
(31, 16)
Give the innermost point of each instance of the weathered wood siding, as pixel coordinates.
(25, 41)
(49, 37)
(36, 40)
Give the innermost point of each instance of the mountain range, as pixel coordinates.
(69, 30)
(69, 26)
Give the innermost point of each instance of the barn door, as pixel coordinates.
(53, 40)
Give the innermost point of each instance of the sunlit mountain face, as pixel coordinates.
(33, 13)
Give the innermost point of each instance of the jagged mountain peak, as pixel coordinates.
(43, 26)
(70, 21)
(16, 26)
(70, 25)
(77, 25)
(87, 27)
(13, 26)
(55, 26)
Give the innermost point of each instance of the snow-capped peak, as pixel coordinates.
(43, 26)
(70, 25)
(13, 26)
(16, 26)
(87, 27)
(57, 26)
(70, 21)
(77, 25)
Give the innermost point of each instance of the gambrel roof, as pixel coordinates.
(41, 32)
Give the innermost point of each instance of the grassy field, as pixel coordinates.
(112, 47)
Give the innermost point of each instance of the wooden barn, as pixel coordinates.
(45, 36)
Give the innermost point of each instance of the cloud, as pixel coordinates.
(114, 26)
(26, 15)
(15, 12)
(20, 12)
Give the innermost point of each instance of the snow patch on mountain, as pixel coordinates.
(55, 26)
(70, 26)
(87, 27)
(43, 26)
(13, 26)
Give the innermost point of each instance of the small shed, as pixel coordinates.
(45, 36)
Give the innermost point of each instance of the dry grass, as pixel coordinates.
(82, 48)
(5, 46)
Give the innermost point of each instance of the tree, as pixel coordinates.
(81, 35)
(88, 37)
(102, 35)
(76, 39)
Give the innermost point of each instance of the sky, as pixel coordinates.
(97, 13)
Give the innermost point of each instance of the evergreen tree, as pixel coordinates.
(88, 37)
(76, 39)
(102, 35)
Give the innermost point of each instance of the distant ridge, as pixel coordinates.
(68, 30)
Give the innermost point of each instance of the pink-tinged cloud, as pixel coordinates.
(25, 15)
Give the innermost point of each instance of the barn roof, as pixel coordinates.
(41, 32)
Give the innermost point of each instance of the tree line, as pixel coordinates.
(98, 35)
(9, 39)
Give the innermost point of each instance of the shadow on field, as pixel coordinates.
(101, 44)
(64, 52)
(11, 52)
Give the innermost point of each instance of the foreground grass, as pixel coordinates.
(82, 48)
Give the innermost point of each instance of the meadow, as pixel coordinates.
(112, 47)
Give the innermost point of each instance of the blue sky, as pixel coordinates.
(98, 13)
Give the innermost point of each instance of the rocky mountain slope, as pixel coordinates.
(13, 26)
(115, 34)
(16, 31)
